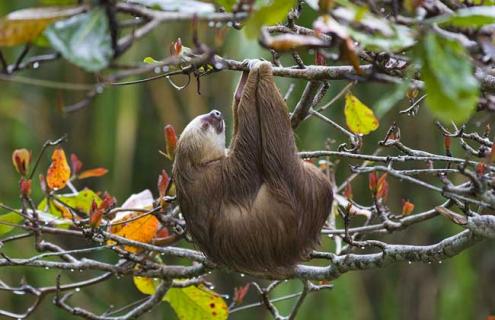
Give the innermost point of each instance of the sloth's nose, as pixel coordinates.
(216, 114)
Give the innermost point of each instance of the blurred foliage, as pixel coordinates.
(122, 131)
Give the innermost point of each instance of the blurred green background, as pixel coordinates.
(122, 131)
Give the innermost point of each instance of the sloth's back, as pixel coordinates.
(274, 230)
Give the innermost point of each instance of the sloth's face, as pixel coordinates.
(208, 131)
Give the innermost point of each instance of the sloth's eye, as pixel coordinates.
(205, 125)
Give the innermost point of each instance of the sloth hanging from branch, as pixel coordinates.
(255, 207)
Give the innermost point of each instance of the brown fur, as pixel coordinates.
(259, 208)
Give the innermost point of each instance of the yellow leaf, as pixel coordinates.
(145, 285)
(197, 303)
(26, 25)
(360, 118)
(59, 170)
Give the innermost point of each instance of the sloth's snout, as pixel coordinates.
(215, 119)
(216, 114)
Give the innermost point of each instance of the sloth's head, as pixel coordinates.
(203, 139)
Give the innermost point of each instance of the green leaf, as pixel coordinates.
(473, 17)
(189, 303)
(401, 38)
(270, 14)
(226, 4)
(150, 60)
(26, 25)
(58, 2)
(80, 201)
(10, 218)
(83, 40)
(451, 88)
(359, 117)
(41, 41)
(374, 33)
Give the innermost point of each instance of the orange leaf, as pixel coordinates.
(348, 52)
(290, 42)
(96, 172)
(143, 229)
(59, 171)
(136, 225)
(407, 207)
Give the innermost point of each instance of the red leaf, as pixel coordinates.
(240, 293)
(320, 58)
(96, 212)
(176, 47)
(480, 168)
(95, 215)
(163, 182)
(90, 173)
(348, 191)
(21, 158)
(382, 188)
(162, 233)
(107, 201)
(447, 143)
(25, 186)
(372, 181)
(170, 141)
(76, 164)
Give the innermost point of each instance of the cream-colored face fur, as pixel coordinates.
(207, 130)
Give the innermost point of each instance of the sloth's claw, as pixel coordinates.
(251, 63)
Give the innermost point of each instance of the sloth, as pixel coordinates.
(256, 207)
